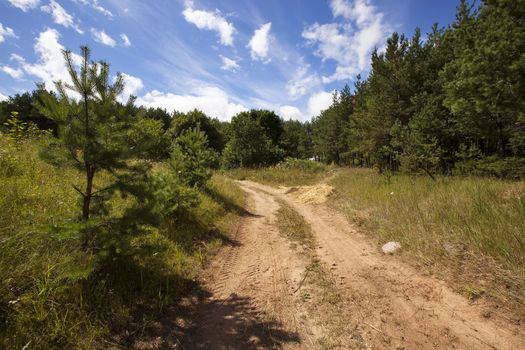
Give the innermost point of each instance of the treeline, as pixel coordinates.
(253, 138)
(451, 102)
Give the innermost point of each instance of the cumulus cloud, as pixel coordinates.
(25, 5)
(211, 100)
(15, 73)
(318, 102)
(229, 64)
(6, 32)
(132, 85)
(100, 36)
(125, 40)
(259, 43)
(210, 21)
(3, 97)
(349, 44)
(60, 16)
(302, 82)
(290, 113)
(94, 4)
(50, 66)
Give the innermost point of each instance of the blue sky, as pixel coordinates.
(221, 56)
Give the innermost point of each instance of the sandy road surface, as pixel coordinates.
(249, 300)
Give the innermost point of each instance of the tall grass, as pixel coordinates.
(472, 227)
(43, 304)
(292, 172)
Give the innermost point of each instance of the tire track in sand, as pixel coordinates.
(394, 303)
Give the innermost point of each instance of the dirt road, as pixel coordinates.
(258, 294)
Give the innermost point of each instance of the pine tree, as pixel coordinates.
(484, 83)
(94, 130)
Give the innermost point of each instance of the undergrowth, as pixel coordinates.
(43, 305)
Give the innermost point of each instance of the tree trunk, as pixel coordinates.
(90, 173)
(501, 142)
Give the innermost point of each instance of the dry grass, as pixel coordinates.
(324, 303)
(468, 231)
(288, 173)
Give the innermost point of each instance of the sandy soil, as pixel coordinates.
(248, 297)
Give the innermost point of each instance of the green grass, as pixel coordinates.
(469, 230)
(288, 173)
(44, 305)
(294, 227)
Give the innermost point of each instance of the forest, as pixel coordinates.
(109, 210)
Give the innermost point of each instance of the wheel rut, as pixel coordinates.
(249, 297)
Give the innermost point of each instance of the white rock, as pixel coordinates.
(391, 247)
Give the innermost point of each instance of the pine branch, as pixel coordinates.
(79, 191)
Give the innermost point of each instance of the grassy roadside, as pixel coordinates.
(468, 231)
(41, 308)
(318, 289)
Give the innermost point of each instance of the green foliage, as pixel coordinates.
(196, 119)
(424, 103)
(484, 83)
(296, 139)
(159, 114)
(148, 140)
(18, 130)
(251, 140)
(330, 127)
(53, 293)
(25, 105)
(192, 159)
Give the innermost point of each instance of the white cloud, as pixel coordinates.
(17, 58)
(259, 43)
(349, 44)
(25, 5)
(12, 72)
(229, 64)
(125, 40)
(60, 15)
(100, 36)
(51, 66)
(94, 4)
(210, 21)
(211, 100)
(132, 85)
(3, 97)
(302, 82)
(318, 102)
(290, 113)
(6, 32)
